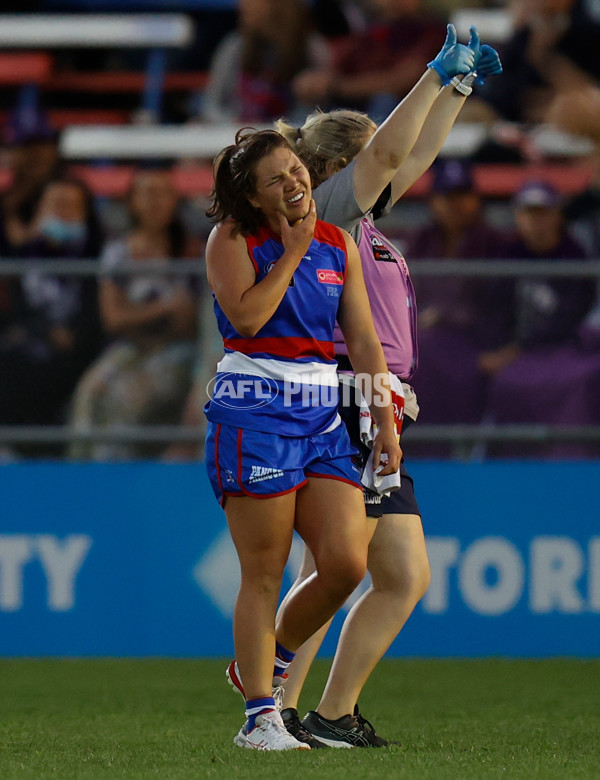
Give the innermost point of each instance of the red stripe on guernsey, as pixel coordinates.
(260, 237)
(251, 243)
(324, 231)
(331, 234)
(283, 346)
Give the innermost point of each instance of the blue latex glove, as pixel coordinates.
(455, 58)
(487, 64)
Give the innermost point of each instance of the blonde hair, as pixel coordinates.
(327, 142)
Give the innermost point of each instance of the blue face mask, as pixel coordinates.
(59, 231)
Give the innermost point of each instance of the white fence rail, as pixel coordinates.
(460, 435)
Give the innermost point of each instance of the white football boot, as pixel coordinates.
(269, 733)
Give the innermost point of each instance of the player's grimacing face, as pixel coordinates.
(282, 186)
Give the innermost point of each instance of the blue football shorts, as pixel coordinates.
(241, 462)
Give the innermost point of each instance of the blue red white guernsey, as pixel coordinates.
(284, 379)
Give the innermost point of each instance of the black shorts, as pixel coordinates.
(399, 502)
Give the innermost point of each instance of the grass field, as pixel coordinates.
(176, 719)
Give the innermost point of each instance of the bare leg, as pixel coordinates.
(339, 547)
(262, 533)
(400, 574)
(299, 668)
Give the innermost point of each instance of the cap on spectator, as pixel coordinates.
(537, 194)
(25, 127)
(452, 175)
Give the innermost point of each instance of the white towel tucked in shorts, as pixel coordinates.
(368, 430)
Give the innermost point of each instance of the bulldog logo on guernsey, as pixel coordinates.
(329, 276)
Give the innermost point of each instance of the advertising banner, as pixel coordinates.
(136, 560)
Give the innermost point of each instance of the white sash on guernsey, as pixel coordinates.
(295, 399)
(313, 373)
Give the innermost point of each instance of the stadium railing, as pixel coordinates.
(154, 32)
(206, 140)
(462, 436)
(50, 31)
(561, 159)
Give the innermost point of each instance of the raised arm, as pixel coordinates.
(432, 137)
(377, 164)
(438, 124)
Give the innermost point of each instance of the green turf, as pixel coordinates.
(176, 719)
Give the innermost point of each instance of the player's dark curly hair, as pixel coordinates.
(235, 179)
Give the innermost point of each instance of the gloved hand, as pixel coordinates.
(487, 64)
(455, 58)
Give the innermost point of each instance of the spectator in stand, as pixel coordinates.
(583, 210)
(583, 214)
(145, 375)
(541, 375)
(458, 317)
(210, 344)
(32, 156)
(552, 52)
(53, 331)
(579, 112)
(6, 284)
(378, 67)
(547, 311)
(335, 19)
(253, 66)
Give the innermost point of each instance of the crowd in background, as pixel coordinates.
(122, 349)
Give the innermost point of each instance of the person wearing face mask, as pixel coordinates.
(33, 159)
(53, 331)
(30, 150)
(145, 373)
(61, 232)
